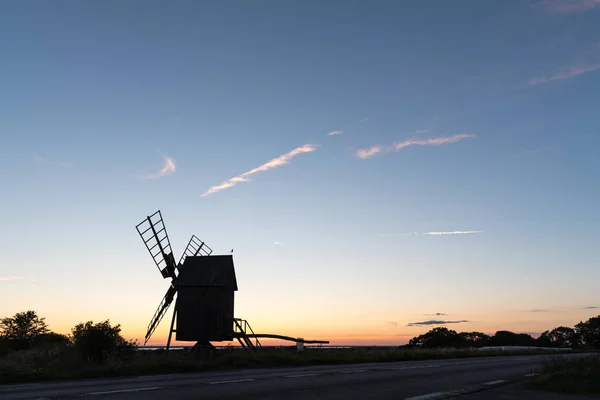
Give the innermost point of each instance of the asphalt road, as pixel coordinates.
(382, 381)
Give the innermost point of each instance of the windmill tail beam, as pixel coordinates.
(283, 337)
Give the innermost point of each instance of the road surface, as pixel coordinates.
(398, 380)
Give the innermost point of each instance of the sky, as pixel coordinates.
(379, 168)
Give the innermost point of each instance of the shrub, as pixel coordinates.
(99, 342)
(51, 339)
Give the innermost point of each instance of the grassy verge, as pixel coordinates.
(62, 362)
(575, 376)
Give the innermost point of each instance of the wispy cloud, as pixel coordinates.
(591, 308)
(11, 278)
(168, 168)
(369, 152)
(538, 310)
(436, 322)
(393, 323)
(274, 163)
(372, 151)
(568, 6)
(276, 243)
(451, 233)
(566, 74)
(437, 314)
(431, 233)
(44, 160)
(333, 133)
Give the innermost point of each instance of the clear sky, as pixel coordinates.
(329, 143)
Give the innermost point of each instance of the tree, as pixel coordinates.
(22, 329)
(559, 337)
(508, 338)
(475, 339)
(438, 337)
(98, 342)
(589, 332)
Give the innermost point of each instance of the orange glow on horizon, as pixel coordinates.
(379, 340)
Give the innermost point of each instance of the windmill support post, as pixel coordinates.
(171, 330)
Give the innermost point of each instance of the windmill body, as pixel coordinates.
(206, 288)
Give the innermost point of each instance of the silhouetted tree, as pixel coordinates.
(22, 329)
(559, 337)
(438, 337)
(475, 339)
(98, 342)
(589, 332)
(508, 338)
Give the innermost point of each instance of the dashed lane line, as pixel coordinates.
(434, 395)
(124, 390)
(300, 375)
(19, 385)
(499, 381)
(230, 381)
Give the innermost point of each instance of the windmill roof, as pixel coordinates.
(213, 271)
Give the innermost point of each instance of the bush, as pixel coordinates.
(97, 343)
(4, 346)
(49, 340)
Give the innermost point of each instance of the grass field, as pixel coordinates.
(62, 362)
(578, 376)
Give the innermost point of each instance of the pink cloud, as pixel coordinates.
(333, 133)
(168, 168)
(372, 151)
(274, 163)
(569, 6)
(569, 73)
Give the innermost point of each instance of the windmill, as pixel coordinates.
(153, 232)
(205, 285)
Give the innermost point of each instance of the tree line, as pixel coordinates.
(95, 342)
(585, 334)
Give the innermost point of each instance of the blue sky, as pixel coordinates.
(474, 118)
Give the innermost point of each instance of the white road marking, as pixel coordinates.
(351, 371)
(124, 390)
(494, 382)
(20, 385)
(300, 375)
(427, 396)
(231, 381)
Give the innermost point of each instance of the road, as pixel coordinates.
(381, 381)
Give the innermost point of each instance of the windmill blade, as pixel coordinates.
(160, 312)
(195, 247)
(153, 232)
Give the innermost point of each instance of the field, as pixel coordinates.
(579, 376)
(62, 362)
